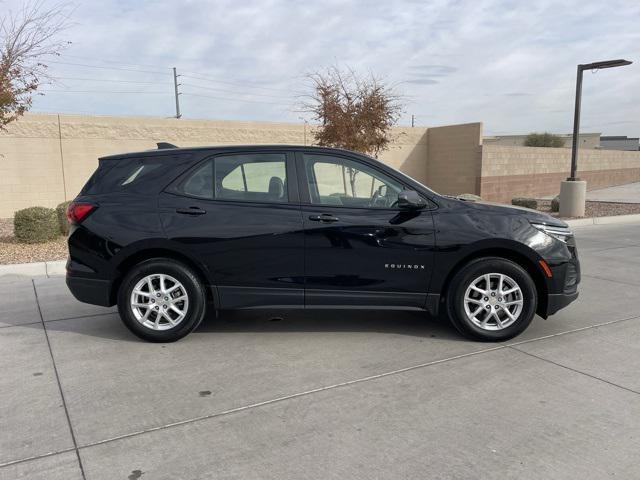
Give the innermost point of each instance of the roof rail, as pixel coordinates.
(165, 145)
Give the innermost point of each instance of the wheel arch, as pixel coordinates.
(135, 258)
(528, 264)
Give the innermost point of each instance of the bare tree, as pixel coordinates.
(27, 37)
(354, 112)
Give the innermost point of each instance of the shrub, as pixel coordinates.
(36, 225)
(469, 197)
(555, 204)
(543, 140)
(61, 211)
(525, 202)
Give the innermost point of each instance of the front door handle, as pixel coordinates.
(325, 217)
(191, 211)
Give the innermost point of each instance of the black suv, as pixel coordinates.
(170, 234)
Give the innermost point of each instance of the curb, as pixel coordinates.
(36, 269)
(621, 219)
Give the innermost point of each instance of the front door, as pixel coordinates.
(360, 248)
(239, 214)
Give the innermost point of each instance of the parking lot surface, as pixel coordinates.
(326, 394)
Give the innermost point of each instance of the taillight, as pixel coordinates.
(78, 211)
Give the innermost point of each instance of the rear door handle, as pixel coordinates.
(191, 211)
(325, 217)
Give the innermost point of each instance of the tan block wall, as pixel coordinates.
(46, 159)
(587, 140)
(537, 172)
(455, 155)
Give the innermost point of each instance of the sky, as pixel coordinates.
(511, 65)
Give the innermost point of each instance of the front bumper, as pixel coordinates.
(558, 301)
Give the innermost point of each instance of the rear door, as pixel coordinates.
(239, 214)
(360, 248)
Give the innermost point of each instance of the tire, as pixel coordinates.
(474, 313)
(183, 293)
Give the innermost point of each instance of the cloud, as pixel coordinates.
(422, 81)
(475, 57)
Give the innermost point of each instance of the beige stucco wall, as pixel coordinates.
(454, 156)
(46, 159)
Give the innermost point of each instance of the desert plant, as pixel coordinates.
(555, 204)
(525, 202)
(545, 139)
(61, 211)
(353, 112)
(36, 225)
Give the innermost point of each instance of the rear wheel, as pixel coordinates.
(491, 299)
(161, 300)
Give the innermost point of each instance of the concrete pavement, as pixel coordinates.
(326, 394)
(629, 193)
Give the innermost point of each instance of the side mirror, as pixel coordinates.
(410, 200)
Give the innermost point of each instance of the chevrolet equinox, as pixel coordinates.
(172, 233)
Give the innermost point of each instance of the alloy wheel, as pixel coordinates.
(493, 301)
(159, 302)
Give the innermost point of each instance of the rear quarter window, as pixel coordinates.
(135, 174)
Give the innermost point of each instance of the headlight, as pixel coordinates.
(564, 234)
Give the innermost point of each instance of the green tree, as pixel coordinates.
(545, 139)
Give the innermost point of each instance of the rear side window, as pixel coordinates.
(246, 177)
(132, 174)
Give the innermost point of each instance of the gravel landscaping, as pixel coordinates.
(13, 252)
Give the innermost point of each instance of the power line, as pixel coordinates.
(243, 84)
(192, 75)
(230, 99)
(109, 68)
(231, 91)
(102, 91)
(106, 80)
(115, 61)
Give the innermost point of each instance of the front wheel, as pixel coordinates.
(492, 299)
(161, 300)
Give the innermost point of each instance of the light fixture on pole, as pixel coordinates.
(573, 191)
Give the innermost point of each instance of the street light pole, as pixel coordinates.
(576, 127)
(573, 191)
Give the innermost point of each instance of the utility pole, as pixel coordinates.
(413, 121)
(177, 93)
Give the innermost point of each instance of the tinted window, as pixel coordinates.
(343, 182)
(248, 177)
(200, 182)
(133, 174)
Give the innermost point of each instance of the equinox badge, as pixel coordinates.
(403, 266)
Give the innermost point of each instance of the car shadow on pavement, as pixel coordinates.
(416, 324)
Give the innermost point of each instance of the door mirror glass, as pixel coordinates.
(409, 199)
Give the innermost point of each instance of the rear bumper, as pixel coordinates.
(90, 290)
(558, 301)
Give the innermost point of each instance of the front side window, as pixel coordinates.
(343, 182)
(259, 177)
